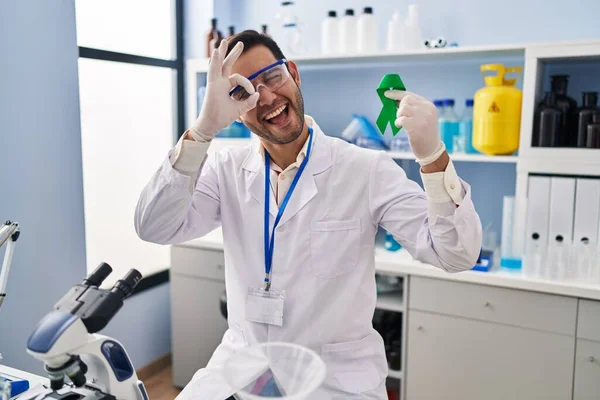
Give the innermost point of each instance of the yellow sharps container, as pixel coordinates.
(497, 112)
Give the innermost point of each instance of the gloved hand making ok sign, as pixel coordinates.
(219, 110)
(417, 116)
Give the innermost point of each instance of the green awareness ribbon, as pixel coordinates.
(388, 111)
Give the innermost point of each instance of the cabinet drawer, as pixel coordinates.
(588, 321)
(198, 262)
(533, 310)
(587, 370)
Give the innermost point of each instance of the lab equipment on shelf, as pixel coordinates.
(593, 133)
(367, 31)
(361, 132)
(448, 124)
(330, 35)
(497, 112)
(292, 43)
(396, 33)
(213, 37)
(550, 123)
(465, 127)
(566, 135)
(235, 130)
(585, 116)
(414, 38)
(507, 258)
(264, 30)
(347, 33)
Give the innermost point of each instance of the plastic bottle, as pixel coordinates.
(568, 106)
(585, 116)
(367, 32)
(593, 133)
(440, 111)
(465, 127)
(395, 33)
(551, 123)
(292, 43)
(330, 34)
(414, 38)
(213, 37)
(264, 30)
(231, 31)
(448, 124)
(347, 33)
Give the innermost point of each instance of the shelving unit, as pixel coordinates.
(390, 302)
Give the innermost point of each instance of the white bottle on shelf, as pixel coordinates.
(330, 34)
(347, 33)
(396, 34)
(367, 32)
(414, 38)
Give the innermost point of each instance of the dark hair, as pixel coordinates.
(252, 38)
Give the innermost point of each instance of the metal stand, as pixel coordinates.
(9, 232)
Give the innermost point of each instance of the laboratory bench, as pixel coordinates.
(467, 335)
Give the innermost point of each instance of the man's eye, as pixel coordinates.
(273, 77)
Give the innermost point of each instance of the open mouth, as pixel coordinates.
(279, 116)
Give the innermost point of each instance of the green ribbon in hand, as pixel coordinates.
(388, 112)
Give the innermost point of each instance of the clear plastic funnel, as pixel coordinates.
(274, 370)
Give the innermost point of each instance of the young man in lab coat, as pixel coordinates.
(314, 284)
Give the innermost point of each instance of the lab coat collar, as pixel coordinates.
(320, 160)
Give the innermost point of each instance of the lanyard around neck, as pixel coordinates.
(270, 242)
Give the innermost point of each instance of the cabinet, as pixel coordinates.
(197, 282)
(471, 342)
(457, 358)
(587, 370)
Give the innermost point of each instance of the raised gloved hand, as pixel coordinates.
(219, 110)
(417, 116)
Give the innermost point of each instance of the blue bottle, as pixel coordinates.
(465, 128)
(448, 124)
(439, 105)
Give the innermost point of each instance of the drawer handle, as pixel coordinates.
(420, 328)
(219, 266)
(487, 304)
(591, 359)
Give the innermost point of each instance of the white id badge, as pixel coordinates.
(265, 306)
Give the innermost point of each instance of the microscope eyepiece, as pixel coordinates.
(98, 275)
(126, 285)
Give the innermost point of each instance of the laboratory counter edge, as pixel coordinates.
(400, 263)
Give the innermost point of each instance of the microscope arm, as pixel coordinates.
(9, 232)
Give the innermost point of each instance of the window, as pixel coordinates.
(131, 100)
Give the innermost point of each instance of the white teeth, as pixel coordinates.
(276, 112)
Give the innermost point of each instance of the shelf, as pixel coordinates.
(390, 302)
(220, 143)
(461, 53)
(398, 155)
(395, 374)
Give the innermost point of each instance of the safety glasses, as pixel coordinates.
(272, 77)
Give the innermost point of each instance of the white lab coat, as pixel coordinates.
(324, 251)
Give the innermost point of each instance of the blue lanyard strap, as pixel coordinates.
(270, 243)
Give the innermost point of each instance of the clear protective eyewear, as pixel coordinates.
(272, 77)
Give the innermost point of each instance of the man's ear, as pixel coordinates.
(293, 68)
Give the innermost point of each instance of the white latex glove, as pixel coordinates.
(417, 116)
(219, 110)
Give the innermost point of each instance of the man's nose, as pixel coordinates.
(266, 96)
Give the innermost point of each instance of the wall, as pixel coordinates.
(41, 183)
(468, 22)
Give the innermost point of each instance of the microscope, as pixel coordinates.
(67, 342)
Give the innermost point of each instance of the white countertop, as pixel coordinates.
(33, 379)
(401, 263)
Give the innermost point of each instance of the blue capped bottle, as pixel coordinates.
(465, 128)
(448, 124)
